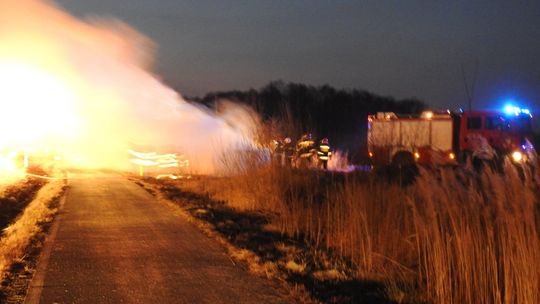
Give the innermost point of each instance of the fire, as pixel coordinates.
(35, 106)
(9, 169)
(84, 91)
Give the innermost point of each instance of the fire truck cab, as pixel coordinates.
(506, 133)
(446, 138)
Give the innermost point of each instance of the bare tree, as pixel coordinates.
(469, 88)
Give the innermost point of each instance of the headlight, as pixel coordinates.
(517, 156)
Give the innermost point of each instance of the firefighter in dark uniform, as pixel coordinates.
(276, 147)
(288, 151)
(324, 153)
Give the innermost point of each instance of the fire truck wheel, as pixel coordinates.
(478, 163)
(464, 157)
(467, 158)
(403, 168)
(403, 158)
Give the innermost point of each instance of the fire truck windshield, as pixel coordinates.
(514, 124)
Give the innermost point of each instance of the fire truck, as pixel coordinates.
(450, 138)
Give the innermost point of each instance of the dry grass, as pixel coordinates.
(477, 239)
(15, 197)
(18, 236)
(454, 236)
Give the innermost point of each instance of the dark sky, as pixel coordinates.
(393, 48)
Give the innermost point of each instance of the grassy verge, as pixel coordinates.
(16, 197)
(453, 236)
(21, 240)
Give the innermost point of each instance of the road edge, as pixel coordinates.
(35, 287)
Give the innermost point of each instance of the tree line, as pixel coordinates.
(324, 111)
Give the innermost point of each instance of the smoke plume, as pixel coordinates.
(85, 89)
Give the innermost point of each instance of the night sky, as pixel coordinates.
(392, 48)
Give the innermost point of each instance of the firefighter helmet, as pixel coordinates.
(324, 141)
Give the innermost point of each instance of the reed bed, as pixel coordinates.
(452, 236)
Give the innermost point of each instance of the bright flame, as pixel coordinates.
(35, 106)
(7, 164)
(83, 91)
(9, 170)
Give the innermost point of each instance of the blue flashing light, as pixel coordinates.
(511, 109)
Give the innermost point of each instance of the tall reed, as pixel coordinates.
(454, 236)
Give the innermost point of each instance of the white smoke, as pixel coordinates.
(115, 101)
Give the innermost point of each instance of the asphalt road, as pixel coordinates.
(113, 243)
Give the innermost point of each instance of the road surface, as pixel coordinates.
(114, 243)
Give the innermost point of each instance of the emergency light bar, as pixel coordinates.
(510, 109)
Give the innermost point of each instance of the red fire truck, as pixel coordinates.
(446, 138)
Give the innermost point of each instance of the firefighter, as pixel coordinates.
(324, 153)
(276, 147)
(305, 151)
(288, 151)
